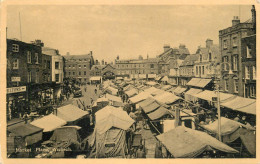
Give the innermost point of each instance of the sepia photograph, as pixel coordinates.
(130, 81)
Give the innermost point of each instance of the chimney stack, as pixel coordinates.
(68, 53)
(90, 53)
(253, 15)
(235, 21)
(96, 62)
(103, 62)
(166, 47)
(209, 43)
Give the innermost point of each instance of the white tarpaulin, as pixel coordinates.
(49, 123)
(109, 117)
(70, 113)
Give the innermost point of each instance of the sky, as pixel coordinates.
(127, 30)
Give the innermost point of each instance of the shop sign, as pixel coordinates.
(16, 79)
(16, 89)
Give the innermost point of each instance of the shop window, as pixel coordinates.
(225, 44)
(15, 48)
(16, 64)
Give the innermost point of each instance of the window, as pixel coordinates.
(234, 42)
(49, 64)
(225, 44)
(36, 77)
(247, 72)
(196, 70)
(210, 57)
(236, 85)
(199, 70)
(79, 73)
(202, 70)
(15, 48)
(248, 52)
(73, 73)
(254, 72)
(69, 66)
(79, 66)
(57, 77)
(29, 57)
(73, 66)
(16, 64)
(235, 62)
(36, 58)
(29, 77)
(69, 73)
(85, 66)
(152, 65)
(252, 91)
(200, 58)
(85, 73)
(56, 65)
(226, 84)
(225, 60)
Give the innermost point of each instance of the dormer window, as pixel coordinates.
(200, 58)
(15, 48)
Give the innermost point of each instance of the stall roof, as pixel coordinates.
(131, 92)
(193, 91)
(49, 123)
(139, 97)
(165, 78)
(70, 113)
(203, 83)
(193, 82)
(179, 90)
(241, 104)
(158, 113)
(166, 87)
(119, 78)
(158, 78)
(151, 107)
(167, 98)
(227, 126)
(24, 130)
(146, 102)
(207, 95)
(152, 76)
(172, 89)
(95, 78)
(151, 83)
(159, 92)
(113, 98)
(184, 142)
(110, 116)
(102, 99)
(151, 90)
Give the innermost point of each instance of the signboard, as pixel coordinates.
(15, 79)
(16, 89)
(214, 99)
(110, 145)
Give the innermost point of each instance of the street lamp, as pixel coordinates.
(218, 95)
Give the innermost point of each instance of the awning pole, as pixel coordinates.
(219, 115)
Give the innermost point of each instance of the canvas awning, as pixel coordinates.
(151, 107)
(190, 94)
(184, 142)
(146, 102)
(203, 83)
(112, 90)
(167, 98)
(166, 87)
(179, 90)
(158, 113)
(49, 123)
(142, 76)
(158, 92)
(30, 133)
(158, 78)
(109, 117)
(151, 83)
(172, 89)
(151, 90)
(71, 113)
(151, 76)
(165, 78)
(207, 95)
(131, 92)
(95, 78)
(139, 97)
(113, 98)
(199, 82)
(241, 104)
(193, 82)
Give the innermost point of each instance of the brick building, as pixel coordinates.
(79, 66)
(232, 52)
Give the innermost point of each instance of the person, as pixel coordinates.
(91, 100)
(95, 91)
(158, 151)
(243, 120)
(85, 89)
(237, 118)
(26, 117)
(140, 152)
